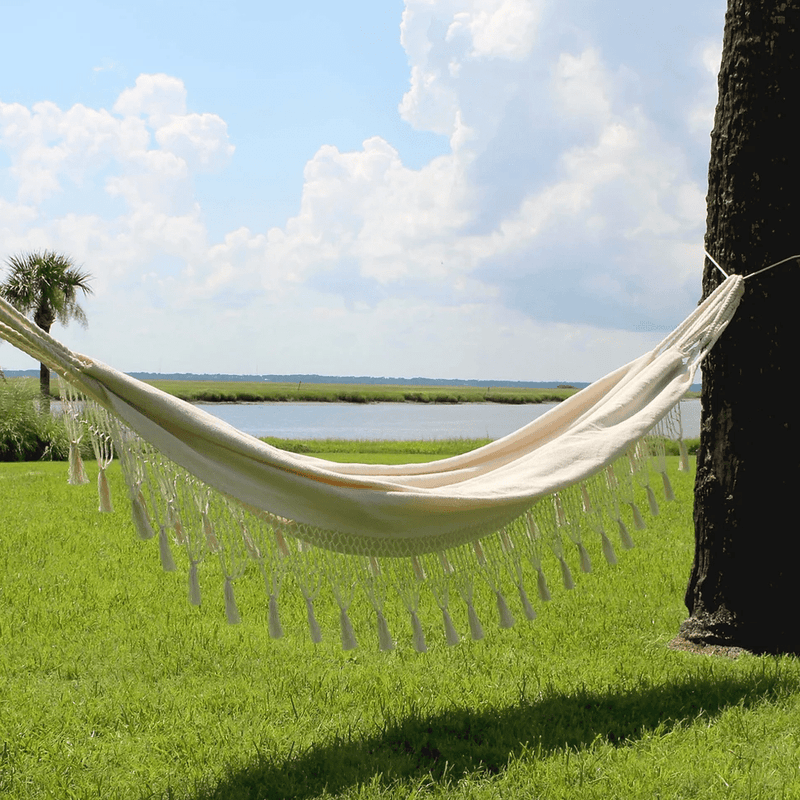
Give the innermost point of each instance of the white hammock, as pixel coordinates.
(404, 512)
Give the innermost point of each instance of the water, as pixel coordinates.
(395, 421)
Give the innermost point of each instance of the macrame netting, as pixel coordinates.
(362, 532)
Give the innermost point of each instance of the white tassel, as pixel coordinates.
(624, 535)
(651, 499)
(385, 641)
(313, 625)
(608, 549)
(668, 493)
(586, 562)
(561, 517)
(348, 634)
(532, 528)
(450, 632)
(566, 575)
(419, 572)
(447, 567)
(475, 627)
(282, 546)
(684, 462)
(530, 612)
(479, 554)
(194, 585)
(140, 519)
(231, 611)
(180, 533)
(419, 636)
(104, 493)
(506, 617)
(541, 584)
(638, 522)
(588, 507)
(77, 473)
(167, 561)
(274, 621)
(211, 537)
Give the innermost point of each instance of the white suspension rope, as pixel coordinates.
(758, 272)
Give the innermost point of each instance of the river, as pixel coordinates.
(395, 421)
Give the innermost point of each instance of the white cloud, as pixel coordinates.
(201, 140)
(580, 86)
(47, 145)
(158, 97)
(497, 28)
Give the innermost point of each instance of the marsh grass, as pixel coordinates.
(252, 391)
(113, 686)
(28, 433)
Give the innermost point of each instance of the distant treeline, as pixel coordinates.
(360, 380)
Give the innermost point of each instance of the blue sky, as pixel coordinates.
(499, 189)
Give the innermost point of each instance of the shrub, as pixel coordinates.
(672, 448)
(26, 432)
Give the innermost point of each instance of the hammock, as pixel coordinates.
(475, 521)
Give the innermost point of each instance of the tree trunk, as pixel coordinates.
(742, 590)
(44, 385)
(44, 318)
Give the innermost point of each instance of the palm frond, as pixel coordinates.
(46, 283)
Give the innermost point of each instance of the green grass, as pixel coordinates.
(388, 451)
(380, 451)
(113, 686)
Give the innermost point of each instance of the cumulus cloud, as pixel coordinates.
(501, 28)
(47, 144)
(159, 97)
(563, 219)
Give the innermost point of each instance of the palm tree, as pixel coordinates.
(46, 284)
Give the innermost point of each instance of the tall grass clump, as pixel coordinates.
(28, 432)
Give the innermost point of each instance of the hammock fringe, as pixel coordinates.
(202, 524)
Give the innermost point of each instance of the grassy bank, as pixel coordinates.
(113, 686)
(378, 450)
(389, 451)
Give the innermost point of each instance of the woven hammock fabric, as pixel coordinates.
(387, 511)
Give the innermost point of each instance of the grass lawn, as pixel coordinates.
(113, 686)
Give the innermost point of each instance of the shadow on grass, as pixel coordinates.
(445, 747)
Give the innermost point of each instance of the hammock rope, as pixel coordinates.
(467, 528)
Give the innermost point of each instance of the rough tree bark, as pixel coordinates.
(743, 586)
